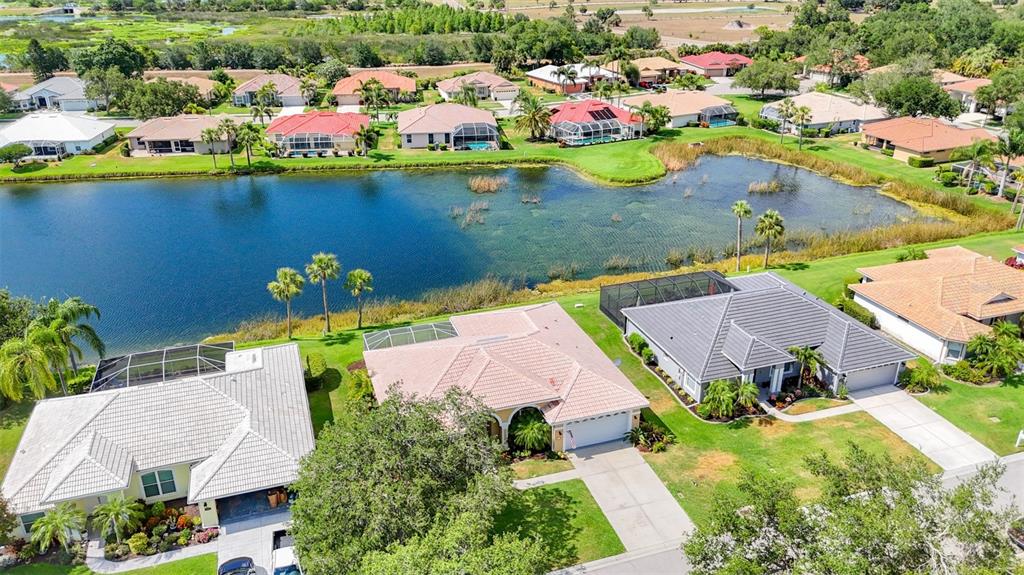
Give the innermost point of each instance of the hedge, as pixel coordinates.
(316, 367)
(856, 311)
(919, 162)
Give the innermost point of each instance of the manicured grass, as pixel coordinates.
(12, 425)
(992, 415)
(814, 404)
(566, 519)
(201, 565)
(537, 467)
(749, 106)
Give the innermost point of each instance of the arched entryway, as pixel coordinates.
(528, 431)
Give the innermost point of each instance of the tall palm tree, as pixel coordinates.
(309, 86)
(770, 226)
(229, 129)
(801, 115)
(374, 96)
(74, 313)
(978, 155)
(359, 282)
(323, 268)
(467, 96)
(49, 340)
(809, 360)
(365, 138)
(741, 209)
(1008, 147)
(25, 364)
(267, 94)
(286, 287)
(534, 117)
(603, 90)
(567, 75)
(259, 110)
(117, 515)
(210, 137)
(59, 524)
(786, 109)
(248, 136)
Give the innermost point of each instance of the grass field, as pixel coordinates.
(992, 415)
(201, 565)
(537, 467)
(12, 424)
(814, 404)
(567, 521)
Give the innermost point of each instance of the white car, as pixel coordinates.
(285, 562)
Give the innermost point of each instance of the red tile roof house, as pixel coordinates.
(921, 137)
(452, 125)
(963, 92)
(316, 132)
(346, 90)
(488, 87)
(823, 72)
(526, 359)
(581, 123)
(715, 64)
(288, 91)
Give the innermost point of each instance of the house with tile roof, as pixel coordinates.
(488, 86)
(715, 64)
(824, 73)
(207, 87)
(922, 137)
(65, 93)
(747, 333)
(176, 135)
(287, 90)
(215, 439)
(517, 360)
(688, 107)
(53, 135)
(586, 122)
(965, 90)
(837, 114)
(653, 70)
(316, 132)
(453, 125)
(346, 90)
(551, 78)
(936, 305)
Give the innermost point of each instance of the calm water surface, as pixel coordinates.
(173, 260)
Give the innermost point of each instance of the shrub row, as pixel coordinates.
(919, 162)
(856, 311)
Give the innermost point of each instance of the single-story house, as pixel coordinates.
(207, 87)
(488, 87)
(53, 135)
(59, 92)
(964, 91)
(550, 77)
(653, 70)
(219, 438)
(746, 333)
(823, 72)
(456, 126)
(346, 90)
(316, 132)
(715, 64)
(176, 135)
(939, 76)
(936, 305)
(585, 122)
(838, 113)
(287, 90)
(922, 137)
(524, 359)
(688, 107)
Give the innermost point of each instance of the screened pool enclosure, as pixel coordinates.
(406, 335)
(616, 297)
(160, 365)
(475, 136)
(596, 131)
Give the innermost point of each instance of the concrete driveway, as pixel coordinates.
(637, 504)
(252, 538)
(291, 110)
(940, 440)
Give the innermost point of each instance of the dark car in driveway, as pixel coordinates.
(237, 566)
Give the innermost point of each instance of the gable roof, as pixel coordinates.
(948, 292)
(184, 127)
(584, 72)
(922, 135)
(247, 426)
(54, 126)
(861, 64)
(718, 336)
(440, 118)
(481, 78)
(583, 111)
(712, 60)
(679, 102)
(651, 64)
(968, 86)
(286, 85)
(532, 355)
(391, 81)
(827, 108)
(68, 87)
(334, 123)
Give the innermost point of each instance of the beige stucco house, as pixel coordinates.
(454, 126)
(177, 135)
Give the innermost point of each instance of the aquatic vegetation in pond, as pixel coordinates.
(487, 184)
(769, 187)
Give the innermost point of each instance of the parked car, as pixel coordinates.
(237, 566)
(285, 562)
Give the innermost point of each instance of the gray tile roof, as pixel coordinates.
(68, 87)
(717, 336)
(88, 444)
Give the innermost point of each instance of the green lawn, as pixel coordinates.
(566, 519)
(201, 565)
(814, 404)
(12, 425)
(537, 467)
(992, 415)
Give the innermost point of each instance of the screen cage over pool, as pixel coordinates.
(474, 133)
(593, 132)
(616, 297)
(160, 365)
(406, 335)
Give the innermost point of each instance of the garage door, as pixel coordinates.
(869, 378)
(596, 430)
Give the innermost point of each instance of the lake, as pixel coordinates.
(173, 260)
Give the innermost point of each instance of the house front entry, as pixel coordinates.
(247, 505)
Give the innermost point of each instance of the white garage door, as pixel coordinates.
(868, 378)
(596, 430)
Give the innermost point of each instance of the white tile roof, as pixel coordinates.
(247, 427)
(54, 127)
(68, 87)
(584, 72)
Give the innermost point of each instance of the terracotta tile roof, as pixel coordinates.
(441, 118)
(492, 81)
(204, 85)
(391, 81)
(652, 64)
(923, 135)
(712, 60)
(861, 62)
(948, 293)
(533, 355)
(579, 112)
(184, 127)
(334, 123)
(286, 85)
(968, 86)
(679, 102)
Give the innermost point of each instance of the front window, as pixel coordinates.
(430, 138)
(28, 519)
(158, 483)
(954, 350)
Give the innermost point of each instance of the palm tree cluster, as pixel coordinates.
(38, 360)
(809, 359)
(246, 135)
(770, 226)
(66, 522)
(374, 96)
(1000, 353)
(529, 431)
(723, 396)
(534, 117)
(797, 115)
(322, 268)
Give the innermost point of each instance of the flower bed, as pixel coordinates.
(164, 528)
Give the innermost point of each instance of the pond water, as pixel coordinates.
(172, 260)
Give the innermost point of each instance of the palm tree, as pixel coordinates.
(770, 226)
(809, 360)
(25, 364)
(210, 137)
(979, 154)
(259, 110)
(1008, 147)
(324, 267)
(365, 138)
(117, 515)
(567, 75)
(747, 394)
(534, 117)
(358, 282)
(287, 286)
(309, 86)
(374, 96)
(73, 312)
(267, 94)
(604, 90)
(719, 399)
(530, 431)
(1005, 329)
(229, 130)
(801, 115)
(467, 96)
(741, 209)
(786, 109)
(248, 136)
(49, 340)
(997, 355)
(59, 524)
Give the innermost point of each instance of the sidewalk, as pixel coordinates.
(546, 479)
